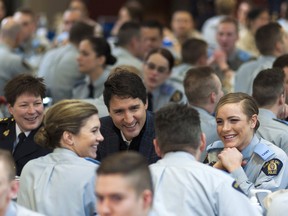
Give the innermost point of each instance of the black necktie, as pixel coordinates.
(150, 103)
(21, 138)
(91, 91)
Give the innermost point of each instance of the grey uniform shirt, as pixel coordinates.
(11, 65)
(248, 71)
(266, 168)
(183, 186)
(272, 130)
(209, 127)
(81, 90)
(60, 71)
(60, 183)
(164, 94)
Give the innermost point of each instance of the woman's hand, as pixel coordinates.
(231, 159)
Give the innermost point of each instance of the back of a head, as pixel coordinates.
(126, 32)
(132, 166)
(154, 24)
(225, 7)
(24, 83)
(124, 84)
(9, 29)
(179, 119)
(66, 115)
(281, 61)
(198, 84)
(268, 85)
(9, 165)
(267, 36)
(189, 53)
(79, 31)
(135, 10)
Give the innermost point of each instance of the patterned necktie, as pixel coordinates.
(91, 91)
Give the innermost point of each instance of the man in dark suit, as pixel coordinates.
(130, 126)
(24, 95)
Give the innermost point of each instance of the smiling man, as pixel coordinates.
(24, 95)
(130, 126)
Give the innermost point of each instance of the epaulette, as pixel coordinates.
(6, 120)
(92, 160)
(244, 56)
(280, 120)
(263, 151)
(215, 145)
(177, 96)
(167, 89)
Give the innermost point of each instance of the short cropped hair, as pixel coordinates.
(198, 84)
(192, 50)
(130, 165)
(177, 128)
(9, 164)
(124, 84)
(126, 32)
(267, 36)
(281, 61)
(268, 85)
(24, 83)
(153, 24)
(79, 31)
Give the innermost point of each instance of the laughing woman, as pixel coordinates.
(62, 183)
(253, 162)
(93, 60)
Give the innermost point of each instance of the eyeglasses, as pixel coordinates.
(160, 69)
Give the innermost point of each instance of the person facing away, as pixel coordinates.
(254, 162)
(24, 95)
(63, 181)
(129, 125)
(203, 90)
(182, 185)
(124, 186)
(9, 188)
(269, 93)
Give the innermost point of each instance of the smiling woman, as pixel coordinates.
(253, 162)
(72, 129)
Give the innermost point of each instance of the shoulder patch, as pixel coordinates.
(236, 186)
(272, 167)
(177, 96)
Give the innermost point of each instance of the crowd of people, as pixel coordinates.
(151, 121)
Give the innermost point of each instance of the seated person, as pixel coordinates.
(24, 95)
(130, 126)
(184, 186)
(125, 175)
(254, 162)
(72, 129)
(9, 187)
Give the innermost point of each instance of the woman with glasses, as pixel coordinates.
(157, 67)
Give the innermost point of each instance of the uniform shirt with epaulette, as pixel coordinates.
(23, 152)
(266, 168)
(164, 94)
(273, 129)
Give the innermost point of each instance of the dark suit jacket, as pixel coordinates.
(112, 138)
(23, 153)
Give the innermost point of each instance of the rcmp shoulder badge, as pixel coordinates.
(177, 96)
(272, 167)
(236, 186)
